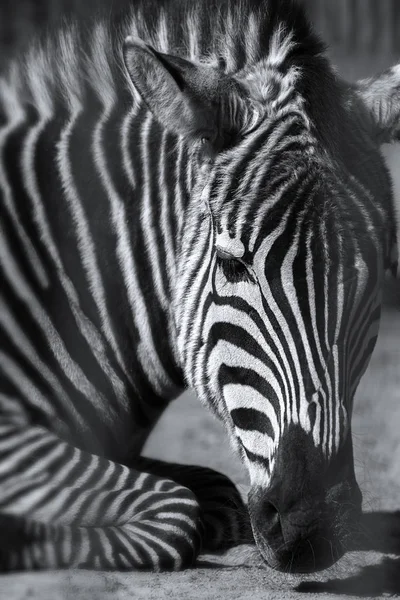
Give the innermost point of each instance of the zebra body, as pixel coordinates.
(133, 268)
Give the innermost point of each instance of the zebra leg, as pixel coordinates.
(61, 507)
(224, 514)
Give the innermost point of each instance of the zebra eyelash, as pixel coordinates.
(235, 270)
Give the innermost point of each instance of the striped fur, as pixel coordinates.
(147, 246)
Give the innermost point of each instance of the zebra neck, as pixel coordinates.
(125, 174)
(155, 168)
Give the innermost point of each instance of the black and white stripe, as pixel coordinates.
(182, 208)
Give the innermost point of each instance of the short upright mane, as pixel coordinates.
(234, 34)
(239, 31)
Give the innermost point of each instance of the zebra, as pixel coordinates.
(191, 197)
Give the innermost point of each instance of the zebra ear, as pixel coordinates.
(381, 95)
(177, 92)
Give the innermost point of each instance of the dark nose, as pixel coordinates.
(305, 535)
(305, 519)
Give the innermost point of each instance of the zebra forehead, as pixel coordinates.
(331, 230)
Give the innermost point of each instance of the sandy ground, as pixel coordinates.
(187, 433)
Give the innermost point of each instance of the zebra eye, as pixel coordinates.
(234, 270)
(206, 152)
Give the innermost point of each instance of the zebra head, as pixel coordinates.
(284, 240)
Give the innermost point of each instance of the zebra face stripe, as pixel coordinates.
(278, 357)
(284, 320)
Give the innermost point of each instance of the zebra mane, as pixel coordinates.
(238, 34)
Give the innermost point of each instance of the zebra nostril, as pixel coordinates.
(271, 513)
(269, 522)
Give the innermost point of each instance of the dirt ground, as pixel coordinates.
(187, 433)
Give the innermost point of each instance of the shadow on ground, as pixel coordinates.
(371, 581)
(380, 533)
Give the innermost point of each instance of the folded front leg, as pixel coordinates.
(61, 507)
(224, 514)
